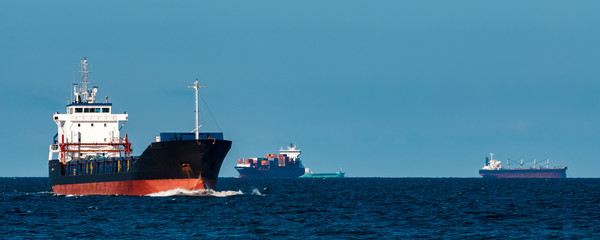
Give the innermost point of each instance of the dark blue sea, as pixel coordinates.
(350, 208)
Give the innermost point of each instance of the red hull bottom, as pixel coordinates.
(133, 187)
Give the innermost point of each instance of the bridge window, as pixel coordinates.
(78, 110)
(105, 110)
(87, 110)
(97, 110)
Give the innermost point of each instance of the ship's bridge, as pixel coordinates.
(89, 108)
(291, 151)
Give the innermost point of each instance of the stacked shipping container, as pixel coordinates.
(270, 161)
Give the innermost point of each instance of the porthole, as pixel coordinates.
(79, 125)
(92, 124)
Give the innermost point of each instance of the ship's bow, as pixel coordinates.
(185, 159)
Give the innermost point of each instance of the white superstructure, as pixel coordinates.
(492, 164)
(291, 151)
(88, 129)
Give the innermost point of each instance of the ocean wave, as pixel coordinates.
(256, 192)
(195, 193)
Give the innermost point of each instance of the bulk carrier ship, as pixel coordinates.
(493, 169)
(286, 164)
(88, 156)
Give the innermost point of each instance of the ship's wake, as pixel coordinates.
(184, 192)
(195, 193)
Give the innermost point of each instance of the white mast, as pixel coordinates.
(521, 162)
(83, 90)
(195, 87)
(84, 95)
(84, 71)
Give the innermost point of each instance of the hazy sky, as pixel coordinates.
(378, 88)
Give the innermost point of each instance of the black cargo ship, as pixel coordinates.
(88, 156)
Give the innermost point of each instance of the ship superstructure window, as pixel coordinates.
(90, 110)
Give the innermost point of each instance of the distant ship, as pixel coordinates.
(493, 169)
(310, 174)
(286, 164)
(88, 156)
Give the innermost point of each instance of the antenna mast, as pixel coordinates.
(83, 88)
(195, 87)
(84, 95)
(84, 71)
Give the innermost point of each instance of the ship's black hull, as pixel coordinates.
(161, 165)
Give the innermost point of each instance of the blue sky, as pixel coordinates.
(378, 88)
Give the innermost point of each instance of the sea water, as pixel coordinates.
(349, 208)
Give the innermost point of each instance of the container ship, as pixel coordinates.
(493, 169)
(286, 164)
(88, 156)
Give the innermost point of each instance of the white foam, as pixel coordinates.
(256, 192)
(195, 193)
